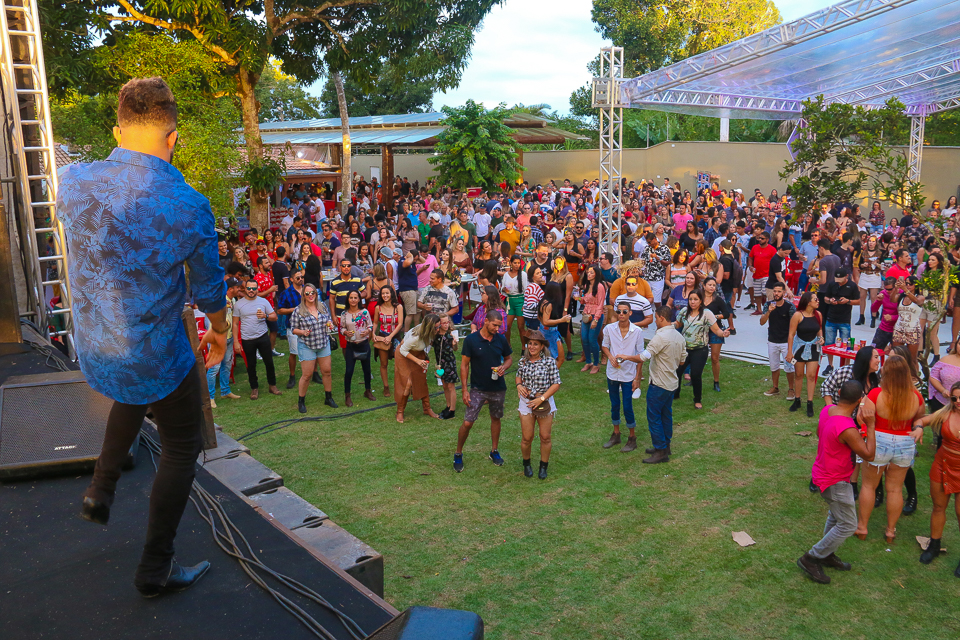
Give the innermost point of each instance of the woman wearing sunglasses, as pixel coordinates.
(311, 323)
(945, 471)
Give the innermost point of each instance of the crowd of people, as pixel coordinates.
(433, 270)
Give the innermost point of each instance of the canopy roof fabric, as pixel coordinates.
(859, 52)
(410, 130)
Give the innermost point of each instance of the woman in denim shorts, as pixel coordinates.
(898, 405)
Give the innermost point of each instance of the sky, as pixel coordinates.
(536, 52)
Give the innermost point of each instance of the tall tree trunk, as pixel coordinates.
(250, 112)
(346, 172)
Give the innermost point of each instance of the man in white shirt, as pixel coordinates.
(321, 213)
(286, 223)
(482, 221)
(622, 345)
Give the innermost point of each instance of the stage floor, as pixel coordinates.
(63, 577)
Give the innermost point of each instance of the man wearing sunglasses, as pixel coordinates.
(250, 316)
(622, 345)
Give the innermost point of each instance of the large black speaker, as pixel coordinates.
(51, 423)
(428, 623)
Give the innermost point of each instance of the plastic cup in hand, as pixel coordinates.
(456, 334)
(495, 375)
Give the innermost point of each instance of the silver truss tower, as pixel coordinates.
(915, 153)
(41, 237)
(606, 98)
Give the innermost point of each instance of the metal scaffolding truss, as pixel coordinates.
(606, 98)
(860, 52)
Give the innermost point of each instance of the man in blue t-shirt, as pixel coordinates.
(486, 356)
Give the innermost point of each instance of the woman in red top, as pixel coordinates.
(898, 405)
(945, 471)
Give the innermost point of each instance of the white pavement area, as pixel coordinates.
(750, 343)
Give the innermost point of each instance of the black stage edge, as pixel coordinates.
(63, 577)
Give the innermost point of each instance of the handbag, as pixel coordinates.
(543, 409)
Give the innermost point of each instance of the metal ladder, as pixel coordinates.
(27, 122)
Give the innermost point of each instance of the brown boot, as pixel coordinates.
(653, 450)
(254, 394)
(275, 391)
(369, 395)
(630, 446)
(348, 401)
(813, 568)
(613, 441)
(659, 455)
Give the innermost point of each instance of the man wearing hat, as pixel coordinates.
(841, 295)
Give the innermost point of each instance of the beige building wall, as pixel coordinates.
(743, 165)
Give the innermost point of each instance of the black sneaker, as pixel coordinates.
(458, 462)
(813, 488)
(291, 383)
(827, 371)
(748, 307)
(813, 568)
(495, 458)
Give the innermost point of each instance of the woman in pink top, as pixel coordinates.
(839, 438)
(591, 322)
(943, 375)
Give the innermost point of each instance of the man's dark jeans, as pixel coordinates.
(250, 349)
(179, 419)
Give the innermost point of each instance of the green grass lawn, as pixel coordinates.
(606, 547)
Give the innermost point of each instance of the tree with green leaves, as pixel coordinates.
(394, 93)
(309, 38)
(282, 98)
(476, 149)
(657, 33)
(206, 153)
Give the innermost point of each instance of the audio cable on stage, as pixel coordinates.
(226, 534)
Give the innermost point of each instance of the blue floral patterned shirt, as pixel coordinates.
(132, 223)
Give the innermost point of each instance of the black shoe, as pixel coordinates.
(613, 441)
(813, 568)
(302, 405)
(716, 387)
(316, 378)
(291, 383)
(654, 450)
(180, 578)
(330, 402)
(931, 552)
(834, 562)
(861, 321)
(733, 332)
(527, 470)
(95, 511)
(796, 405)
(542, 474)
(809, 409)
(813, 488)
(878, 501)
(910, 505)
(935, 360)
(827, 371)
(748, 307)
(873, 322)
(443, 414)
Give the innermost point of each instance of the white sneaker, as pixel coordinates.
(636, 394)
(276, 354)
(259, 357)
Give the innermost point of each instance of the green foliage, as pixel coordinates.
(206, 152)
(392, 93)
(476, 149)
(656, 33)
(282, 98)
(846, 149)
(263, 174)
(943, 129)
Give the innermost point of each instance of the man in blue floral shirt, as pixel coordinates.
(134, 230)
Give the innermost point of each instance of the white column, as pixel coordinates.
(724, 129)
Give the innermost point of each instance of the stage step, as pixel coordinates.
(288, 508)
(346, 551)
(243, 474)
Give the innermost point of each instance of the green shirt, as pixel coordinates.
(424, 230)
(696, 332)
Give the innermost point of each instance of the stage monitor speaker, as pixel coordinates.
(51, 423)
(429, 623)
